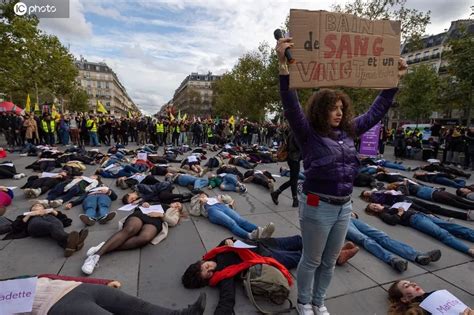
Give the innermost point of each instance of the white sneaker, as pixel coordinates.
(90, 264)
(255, 234)
(91, 251)
(18, 176)
(267, 230)
(304, 309)
(43, 202)
(320, 310)
(56, 203)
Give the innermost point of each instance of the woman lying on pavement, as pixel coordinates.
(66, 190)
(36, 186)
(262, 178)
(405, 298)
(8, 170)
(222, 214)
(409, 188)
(96, 205)
(40, 222)
(137, 230)
(440, 178)
(226, 182)
(58, 295)
(161, 192)
(281, 252)
(440, 229)
(379, 244)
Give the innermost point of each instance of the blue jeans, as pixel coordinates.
(244, 163)
(368, 170)
(229, 182)
(393, 165)
(64, 136)
(443, 231)
(94, 141)
(221, 214)
(186, 180)
(286, 173)
(456, 183)
(323, 229)
(96, 206)
(378, 243)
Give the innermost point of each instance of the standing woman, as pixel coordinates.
(325, 135)
(293, 160)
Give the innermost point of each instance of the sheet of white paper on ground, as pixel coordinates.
(275, 175)
(393, 173)
(212, 201)
(48, 174)
(87, 179)
(258, 172)
(142, 156)
(442, 302)
(222, 174)
(162, 165)
(192, 158)
(240, 244)
(432, 161)
(404, 205)
(109, 167)
(227, 146)
(12, 187)
(152, 208)
(7, 164)
(128, 207)
(17, 296)
(98, 189)
(393, 192)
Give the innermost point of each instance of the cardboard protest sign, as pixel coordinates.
(17, 296)
(336, 49)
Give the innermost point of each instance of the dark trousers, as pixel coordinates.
(286, 250)
(48, 225)
(7, 172)
(100, 299)
(293, 181)
(452, 200)
(430, 208)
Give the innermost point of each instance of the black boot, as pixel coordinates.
(399, 265)
(275, 195)
(295, 202)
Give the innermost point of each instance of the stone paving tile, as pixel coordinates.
(461, 276)
(367, 302)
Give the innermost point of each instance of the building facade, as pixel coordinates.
(194, 95)
(430, 52)
(101, 83)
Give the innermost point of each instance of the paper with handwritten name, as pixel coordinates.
(442, 302)
(404, 205)
(17, 295)
(152, 208)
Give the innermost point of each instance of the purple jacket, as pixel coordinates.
(330, 165)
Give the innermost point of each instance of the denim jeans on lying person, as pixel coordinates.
(378, 243)
(396, 166)
(186, 180)
(229, 182)
(323, 228)
(286, 250)
(96, 206)
(456, 183)
(442, 230)
(222, 214)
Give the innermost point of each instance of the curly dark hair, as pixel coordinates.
(397, 307)
(321, 103)
(191, 278)
(125, 199)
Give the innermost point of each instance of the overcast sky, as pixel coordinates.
(153, 45)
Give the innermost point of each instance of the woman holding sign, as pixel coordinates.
(325, 134)
(405, 298)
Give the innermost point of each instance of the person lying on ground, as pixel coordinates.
(440, 178)
(58, 295)
(230, 169)
(382, 246)
(8, 170)
(193, 183)
(242, 161)
(161, 192)
(405, 298)
(214, 268)
(41, 222)
(222, 214)
(226, 182)
(440, 167)
(446, 232)
(262, 178)
(136, 231)
(66, 190)
(36, 186)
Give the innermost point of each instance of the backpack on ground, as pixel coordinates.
(268, 282)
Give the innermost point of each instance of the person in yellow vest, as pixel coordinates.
(160, 132)
(49, 128)
(92, 126)
(210, 133)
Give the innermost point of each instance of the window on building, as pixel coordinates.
(106, 85)
(97, 68)
(99, 84)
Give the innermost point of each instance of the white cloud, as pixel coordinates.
(208, 35)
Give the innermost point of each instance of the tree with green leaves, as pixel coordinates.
(418, 93)
(460, 58)
(78, 101)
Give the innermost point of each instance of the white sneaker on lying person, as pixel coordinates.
(90, 264)
(18, 176)
(56, 203)
(93, 250)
